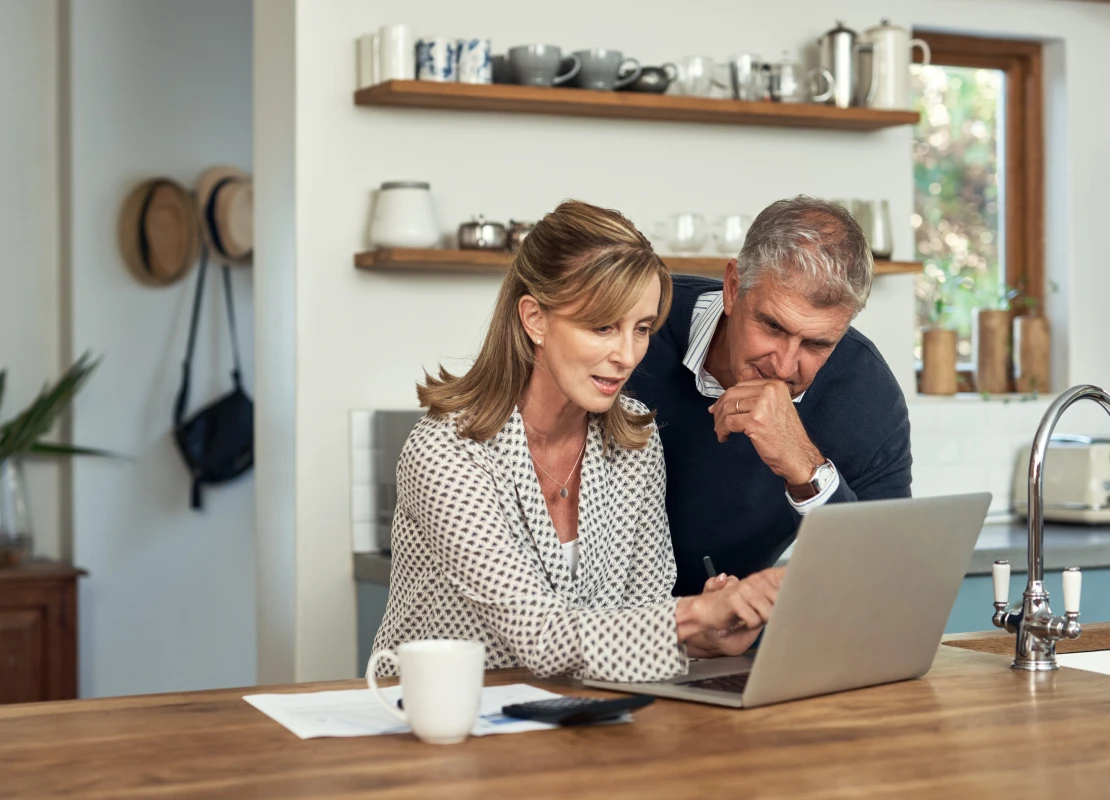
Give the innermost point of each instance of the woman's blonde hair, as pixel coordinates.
(589, 263)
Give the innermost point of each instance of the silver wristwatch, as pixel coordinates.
(821, 479)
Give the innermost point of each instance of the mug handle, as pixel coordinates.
(829, 81)
(561, 79)
(926, 53)
(372, 682)
(630, 77)
(671, 71)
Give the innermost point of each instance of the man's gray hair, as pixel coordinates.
(814, 246)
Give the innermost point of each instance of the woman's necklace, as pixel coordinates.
(564, 492)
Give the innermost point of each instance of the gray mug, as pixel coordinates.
(501, 70)
(600, 68)
(538, 65)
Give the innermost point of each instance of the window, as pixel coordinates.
(978, 181)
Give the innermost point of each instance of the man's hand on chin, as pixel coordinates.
(764, 411)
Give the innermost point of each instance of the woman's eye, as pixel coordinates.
(605, 329)
(644, 330)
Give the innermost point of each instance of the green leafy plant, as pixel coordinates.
(22, 435)
(944, 299)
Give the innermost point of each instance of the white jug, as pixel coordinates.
(403, 216)
(891, 48)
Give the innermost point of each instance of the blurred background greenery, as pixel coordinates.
(958, 197)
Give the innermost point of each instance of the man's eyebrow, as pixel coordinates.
(768, 319)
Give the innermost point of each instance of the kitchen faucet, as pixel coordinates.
(1032, 620)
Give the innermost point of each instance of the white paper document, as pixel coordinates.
(357, 712)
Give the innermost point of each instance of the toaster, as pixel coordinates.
(1076, 480)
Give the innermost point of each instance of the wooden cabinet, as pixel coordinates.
(38, 632)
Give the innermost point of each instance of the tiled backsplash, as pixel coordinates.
(959, 445)
(376, 442)
(362, 512)
(970, 445)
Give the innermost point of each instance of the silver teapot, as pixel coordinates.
(847, 57)
(479, 234)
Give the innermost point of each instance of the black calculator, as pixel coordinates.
(576, 710)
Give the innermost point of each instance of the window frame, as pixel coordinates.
(1022, 62)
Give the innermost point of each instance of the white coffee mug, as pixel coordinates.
(396, 53)
(441, 687)
(368, 52)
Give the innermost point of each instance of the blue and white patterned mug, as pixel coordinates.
(436, 59)
(475, 61)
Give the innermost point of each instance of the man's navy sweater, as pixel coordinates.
(722, 500)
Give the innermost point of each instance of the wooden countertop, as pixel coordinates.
(971, 728)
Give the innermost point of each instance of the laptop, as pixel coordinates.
(865, 599)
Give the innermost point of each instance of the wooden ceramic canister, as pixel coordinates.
(990, 342)
(1031, 354)
(938, 356)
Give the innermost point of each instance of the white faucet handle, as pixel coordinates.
(1073, 582)
(1000, 571)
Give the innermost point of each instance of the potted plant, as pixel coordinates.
(938, 345)
(990, 339)
(21, 437)
(1032, 345)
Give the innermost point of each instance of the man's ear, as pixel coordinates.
(532, 317)
(731, 286)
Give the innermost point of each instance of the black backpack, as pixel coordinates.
(217, 442)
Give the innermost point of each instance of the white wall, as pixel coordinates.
(362, 339)
(159, 88)
(29, 274)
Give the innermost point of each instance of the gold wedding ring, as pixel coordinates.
(737, 406)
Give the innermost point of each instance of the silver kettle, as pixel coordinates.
(842, 54)
(480, 234)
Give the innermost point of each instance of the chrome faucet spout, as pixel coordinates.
(1032, 620)
(1036, 469)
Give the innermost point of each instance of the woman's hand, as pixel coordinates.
(728, 614)
(709, 644)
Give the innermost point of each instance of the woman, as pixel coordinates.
(530, 510)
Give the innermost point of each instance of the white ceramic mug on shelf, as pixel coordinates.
(396, 53)
(441, 687)
(368, 52)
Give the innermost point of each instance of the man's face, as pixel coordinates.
(775, 333)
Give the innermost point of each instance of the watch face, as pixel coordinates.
(824, 476)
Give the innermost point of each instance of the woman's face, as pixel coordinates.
(590, 365)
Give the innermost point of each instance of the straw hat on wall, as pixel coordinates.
(159, 231)
(225, 201)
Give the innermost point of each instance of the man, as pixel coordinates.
(769, 403)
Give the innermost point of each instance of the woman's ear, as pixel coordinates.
(533, 318)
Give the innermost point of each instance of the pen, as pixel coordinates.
(709, 567)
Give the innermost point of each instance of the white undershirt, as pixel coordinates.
(570, 552)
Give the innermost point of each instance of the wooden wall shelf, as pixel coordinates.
(494, 261)
(625, 105)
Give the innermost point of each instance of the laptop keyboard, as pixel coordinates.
(724, 683)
